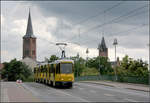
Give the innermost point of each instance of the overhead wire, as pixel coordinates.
(111, 21)
(125, 31)
(127, 15)
(100, 13)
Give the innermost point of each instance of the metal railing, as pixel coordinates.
(127, 79)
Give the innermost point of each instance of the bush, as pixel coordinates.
(15, 70)
(90, 71)
(29, 79)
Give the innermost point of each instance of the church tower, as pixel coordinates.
(29, 41)
(103, 50)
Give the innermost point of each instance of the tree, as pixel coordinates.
(100, 63)
(130, 67)
(53, 58)
(79, 65)
(16, 70)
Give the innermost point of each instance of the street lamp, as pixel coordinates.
(87, 51)
(78, 65)
(115, 43)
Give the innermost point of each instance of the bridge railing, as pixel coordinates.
(127, 79)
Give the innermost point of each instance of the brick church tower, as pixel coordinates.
(29, 41)
(103, 50)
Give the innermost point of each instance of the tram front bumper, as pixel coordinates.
(64, 83)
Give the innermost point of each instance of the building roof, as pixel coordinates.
(102, 46)
(29, 31)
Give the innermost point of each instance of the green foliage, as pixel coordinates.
(131, 71)
(30, 78)
(101, 64)
(83, 67)
(79, 65)
(90, 71)
(52, 58)
(16, 70)
(130, 67)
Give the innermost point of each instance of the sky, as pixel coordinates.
(79, 23)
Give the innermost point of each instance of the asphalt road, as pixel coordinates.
(83, 92)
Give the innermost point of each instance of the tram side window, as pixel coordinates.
(34, 71)
(49, 69)
(41, 69)
(58, 68)
(52, 68)
(46, 70)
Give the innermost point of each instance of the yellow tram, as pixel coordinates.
(59, 72)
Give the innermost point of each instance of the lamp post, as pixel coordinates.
(78, 65)
(87, 51)
(115, 43)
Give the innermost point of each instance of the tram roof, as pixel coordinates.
(63, 60)
(57, 61)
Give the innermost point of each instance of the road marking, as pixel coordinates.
(71, 95)
(108, 95)
(130, 100)
(124, 91)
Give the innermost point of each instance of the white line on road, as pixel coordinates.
(125, 91)
(130, 100)
(108, 95)
(70, 95)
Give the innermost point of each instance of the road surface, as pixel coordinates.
(81, 92)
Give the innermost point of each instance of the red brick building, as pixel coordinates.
(29, 41)
(103, 50)
(1, 66)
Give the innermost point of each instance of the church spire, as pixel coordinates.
(103, 42)
(103, 50)
(102, 46)
(29, 31)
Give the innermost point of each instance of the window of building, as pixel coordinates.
(27, 41)
(33, 52)
(33, 41)
(26, 52)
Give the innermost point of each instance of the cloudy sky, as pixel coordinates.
(61, 21)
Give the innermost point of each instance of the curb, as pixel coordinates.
(97, 83)
(138, 89)
(114, 86)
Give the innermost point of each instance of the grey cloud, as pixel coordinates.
(73, 12)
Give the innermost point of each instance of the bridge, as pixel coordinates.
(82, 91)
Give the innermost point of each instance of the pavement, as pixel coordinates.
(14, 92)
(138, 87)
